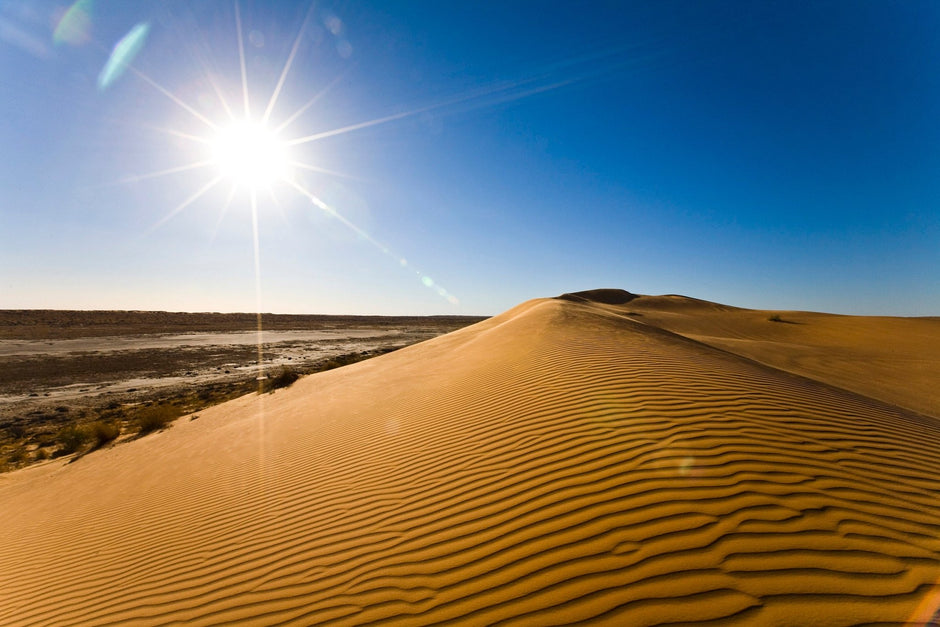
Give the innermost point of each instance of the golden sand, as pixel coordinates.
(565, 462)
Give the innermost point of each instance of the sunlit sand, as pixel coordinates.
(595, 458)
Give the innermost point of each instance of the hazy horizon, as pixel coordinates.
(461, 158)
(469, 314)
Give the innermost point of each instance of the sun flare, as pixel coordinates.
(248, 153)
(252, 149)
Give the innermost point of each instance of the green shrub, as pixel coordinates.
(156, 417)
(103, 432)
(283, 379)
(70, 439)
(16, 431)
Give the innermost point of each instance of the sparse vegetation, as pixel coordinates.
(70, 439)
(156, 417)
(52, 421)
(103, 432)
(17, 456)
(284, 378)
(775, 318)
(350, 358)
(63, 430)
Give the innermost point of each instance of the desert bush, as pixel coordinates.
(17, 455)
(338, 361)
(283, 379)
(41, 454)
(103, 432)
(70, 439)
(156, 417)
(46, 439)
(16, 431)
(775, 318)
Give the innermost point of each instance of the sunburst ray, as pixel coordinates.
(134, 178)
(193, 198)
(315, 168)
(241, 59)
(166, 92)
(287, 65)
(309, 103)
(223, 211)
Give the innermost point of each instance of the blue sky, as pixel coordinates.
(767, 155)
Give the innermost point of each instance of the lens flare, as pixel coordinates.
(928, 611)
(74, 27)
(123, 55)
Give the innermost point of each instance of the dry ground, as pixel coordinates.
(62, 368)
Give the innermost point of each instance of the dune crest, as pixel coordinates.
(560, 463)
(889, 358)
(607, 296)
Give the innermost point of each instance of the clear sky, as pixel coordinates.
(462, 157)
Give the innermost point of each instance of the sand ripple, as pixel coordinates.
(557, 464)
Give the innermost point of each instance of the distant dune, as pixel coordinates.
(598, 458)
(896, 360)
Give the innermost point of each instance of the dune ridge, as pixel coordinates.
(563, 462)
(889, 358)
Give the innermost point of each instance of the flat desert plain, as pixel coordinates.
(595, 458)
(64, 368)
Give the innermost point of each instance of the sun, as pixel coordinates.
(253, 148)
(248, 153)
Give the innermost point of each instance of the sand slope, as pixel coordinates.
(559, 463)
(896, 360)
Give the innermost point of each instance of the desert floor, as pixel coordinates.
(595, 458)
(58, 368)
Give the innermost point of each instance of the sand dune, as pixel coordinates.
(564, 462)
(892, 359)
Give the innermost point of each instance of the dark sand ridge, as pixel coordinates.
(562, 462)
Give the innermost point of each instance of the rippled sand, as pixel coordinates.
(568, 461)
